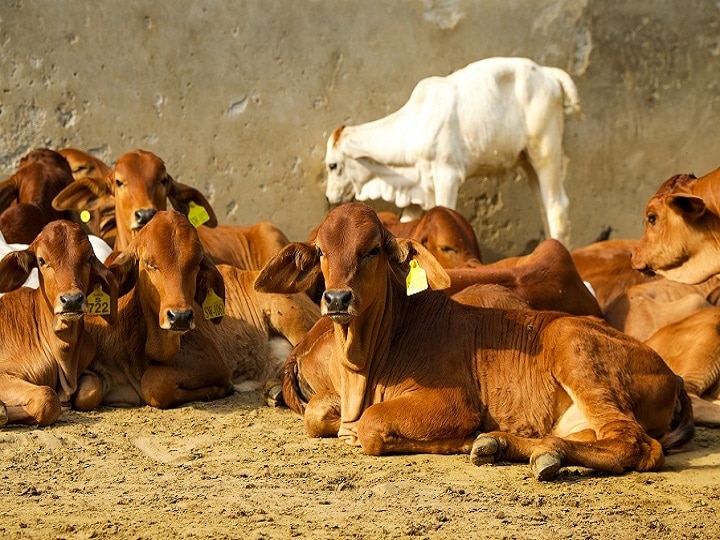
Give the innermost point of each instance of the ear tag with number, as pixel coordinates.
(213, 306)
(197, 214)
(98, 301)
(416, 280)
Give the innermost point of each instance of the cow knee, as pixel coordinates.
(44, 406)
(373, 433)
(89, 393)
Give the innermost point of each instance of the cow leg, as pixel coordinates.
(416, 424)
(27, 403)
(322, 414)
(185, 380)
(89, 393)
(447, 182)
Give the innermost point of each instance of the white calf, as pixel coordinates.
(488, 117)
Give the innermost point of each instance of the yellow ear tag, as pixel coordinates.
(197, 214)
(213, 306)
(416, 280)
(85, 216)
(98, 302)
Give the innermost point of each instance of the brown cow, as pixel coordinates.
(142, 186)
(682, 227)
(443, 232)
(26, 197)
(44, 344)
(423, 373)
(160, 352)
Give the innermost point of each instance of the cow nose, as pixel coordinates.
(180, 320)
(72, 302)
(144, 215)
(337, 301)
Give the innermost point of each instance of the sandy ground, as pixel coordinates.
(237, 469)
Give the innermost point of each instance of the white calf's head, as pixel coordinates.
(344, 174)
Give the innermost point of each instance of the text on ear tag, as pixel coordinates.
(416, 280)
(98, 302)
(197, 214)
(213, 306)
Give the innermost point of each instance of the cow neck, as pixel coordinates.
(161, 345)
(363, 345)
(68, 342)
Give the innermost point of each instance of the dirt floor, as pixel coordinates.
(237, 469)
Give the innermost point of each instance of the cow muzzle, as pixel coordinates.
(336, 305)
(142, 216)
(71, 306)
(179, 320)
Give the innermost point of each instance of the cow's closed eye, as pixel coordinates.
(149, 265)
(372, 253)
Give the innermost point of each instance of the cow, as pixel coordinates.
(488, 117)
(443, 232)
(163, 350)
(99, 217)
(425, 374)
(26, 196)
(45, 345)
(141, 186)
(682, 224)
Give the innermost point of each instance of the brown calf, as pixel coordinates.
(26, 197)
(163, 351)
(141, 186)
(44, 344)
(423, 373)
(682, 227)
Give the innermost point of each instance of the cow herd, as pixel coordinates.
(393, 336)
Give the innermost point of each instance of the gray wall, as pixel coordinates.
(239, 97)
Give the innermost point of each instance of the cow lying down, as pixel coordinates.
(424, 373)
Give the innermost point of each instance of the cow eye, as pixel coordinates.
(149, 265)
(372, 253)
(332, 166)
(652, 219)
(41, 261)
(319, 252)
(118, 182)
(448, 249)
(164, 181)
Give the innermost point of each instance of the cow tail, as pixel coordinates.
(292, 395)
(571, 98)
(682, 427)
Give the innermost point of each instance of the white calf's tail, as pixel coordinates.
(571, 99)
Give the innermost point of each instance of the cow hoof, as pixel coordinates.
(3, 414)
(546, 465)
(485, 450)
(272, 393)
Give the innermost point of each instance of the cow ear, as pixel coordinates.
(100, 275)
(124, 265)
(294, 269)
(209, 277)
(8, 193)
(83, 194)
(409, 249)
(15, 268)
(182, 195)
(692, 206)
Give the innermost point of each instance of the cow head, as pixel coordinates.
(448, 236)
(345, 176)
(169, 269)
(681, 240)
(140, 186)
(68, 271)
(357, 257)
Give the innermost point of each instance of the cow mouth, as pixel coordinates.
(71, 316)
(340, 317)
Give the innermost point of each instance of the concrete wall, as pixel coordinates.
(238, 97)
